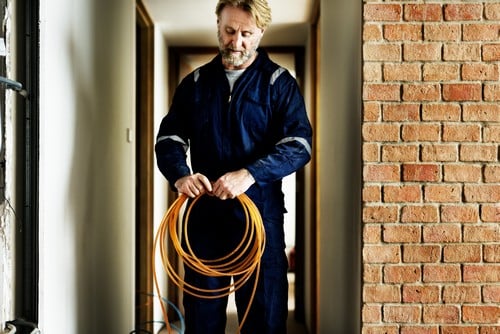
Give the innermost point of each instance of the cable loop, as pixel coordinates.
(242, 261)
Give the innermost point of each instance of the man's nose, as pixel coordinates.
(237, 41)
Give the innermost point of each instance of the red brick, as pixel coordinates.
(459, 214)
(481, 32)
(401, 112)
(476, 153)
(371, 313)
(482, 71)
(437, 153)
(491, 293)
(462, 173)
(481, 314)
(491, 52)
(382, 12)
(402, 72)
(402, 274)
(462, 133)
(408, 329)
(381, 254)
(462, 92)
(403, 32)
(408, 193)
(380, 214)
(492, 254)
(423, 12)
(421, 92)
(401, 233)
(372, 234)
(442, 233)
(489, 329)
(492, 12)
(491, 133)
(371, 111)
(441, 72)
(415, 51)
(372, 273)
(419, 214)
(482, 233)
(459, 294)
(488, 193)
(401, 314)
(442, 193)
(372, 32)
(371, 152)
(381, 92)
(381, 294)
(445, 273)
(381, 52)
(463, 12)
(481, 112)
(442, 32)
(459, 329)
(423, 294)
(380, 132)
(492, 92)
(380, 173)
(462, 253)
(421, 172)
(492, 174)
(442, 314)
(421, 253)
(481, 273)
(399, 153)
(372, 193)
(421, 132)
(372, 71)
(376, 329)
(490, 213)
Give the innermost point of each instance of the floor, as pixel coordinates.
(293, 326)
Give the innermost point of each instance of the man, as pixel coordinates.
(243, 118)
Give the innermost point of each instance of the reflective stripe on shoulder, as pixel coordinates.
(196, 75)
(297, 139)
(276, 74)
(174, 138)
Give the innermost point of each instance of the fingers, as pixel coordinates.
(194, 185)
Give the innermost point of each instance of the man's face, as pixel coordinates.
(239, 37)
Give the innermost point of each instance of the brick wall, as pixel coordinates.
(431, 176)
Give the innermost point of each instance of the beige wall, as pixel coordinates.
(339, 168)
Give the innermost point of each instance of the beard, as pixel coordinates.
(235, 59)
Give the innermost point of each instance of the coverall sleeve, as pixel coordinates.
(292, 134)
(172, 140)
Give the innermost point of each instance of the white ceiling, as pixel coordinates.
(193, 22)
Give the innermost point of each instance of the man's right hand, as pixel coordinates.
(193, 185)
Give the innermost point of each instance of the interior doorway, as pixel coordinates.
(184, 60)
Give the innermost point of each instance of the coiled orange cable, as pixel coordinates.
(243, 260)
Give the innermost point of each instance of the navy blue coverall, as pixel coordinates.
(262, 125)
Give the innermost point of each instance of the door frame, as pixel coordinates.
(144, 167)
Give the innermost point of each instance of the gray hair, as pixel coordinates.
(259, 9)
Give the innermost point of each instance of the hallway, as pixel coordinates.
(293, 326)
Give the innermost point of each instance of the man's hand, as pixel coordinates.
(193, 185)
(232, 184)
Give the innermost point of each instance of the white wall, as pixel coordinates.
(339, 184)
(87, 166)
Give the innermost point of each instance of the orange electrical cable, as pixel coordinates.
(243, 260)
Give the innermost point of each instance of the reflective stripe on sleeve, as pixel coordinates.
(174, 138)
(297, 139)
